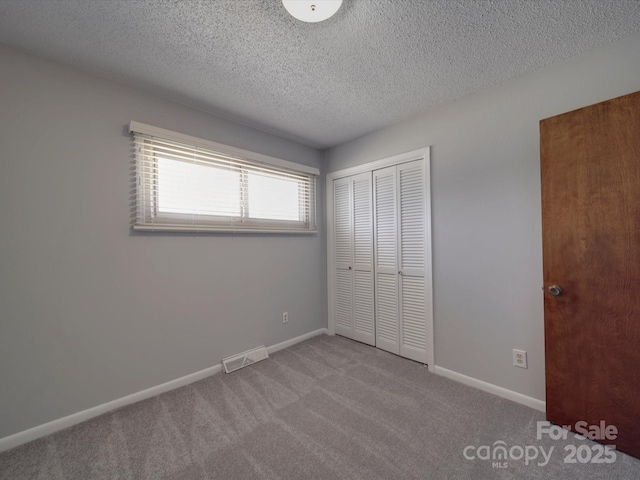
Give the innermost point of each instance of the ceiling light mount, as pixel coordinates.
(312, 10)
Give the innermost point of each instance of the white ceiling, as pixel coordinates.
(374, 63)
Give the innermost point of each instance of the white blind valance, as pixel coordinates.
(188, 187)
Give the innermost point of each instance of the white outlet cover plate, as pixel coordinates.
(520, 358)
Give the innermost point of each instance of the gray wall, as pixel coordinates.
(486, 208)
(89, 311)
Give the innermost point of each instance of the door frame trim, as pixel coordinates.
(418, 154)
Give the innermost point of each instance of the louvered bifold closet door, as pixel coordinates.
(385, 258)
(363, 298)
(411, 255)
(343, 242)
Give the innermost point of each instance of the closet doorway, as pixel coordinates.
(379, 255)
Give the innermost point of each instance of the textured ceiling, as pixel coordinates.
(374, 63)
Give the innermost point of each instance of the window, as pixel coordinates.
(189, 184)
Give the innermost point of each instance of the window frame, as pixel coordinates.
(149, 218)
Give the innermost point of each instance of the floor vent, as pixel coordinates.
(236, 362)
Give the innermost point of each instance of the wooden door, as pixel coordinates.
(590, 163)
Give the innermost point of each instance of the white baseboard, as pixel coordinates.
(34, 433)
(491, 388)
(293, 341)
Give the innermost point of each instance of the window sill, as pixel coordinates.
(203, 229)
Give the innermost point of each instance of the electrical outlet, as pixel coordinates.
(285, 317)
(520, 358)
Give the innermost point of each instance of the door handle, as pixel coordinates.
(555, 290)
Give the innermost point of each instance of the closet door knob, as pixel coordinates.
(400, 272)
(349, 267)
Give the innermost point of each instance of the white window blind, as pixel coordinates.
(188, 184)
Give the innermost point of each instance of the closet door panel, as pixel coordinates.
(411, 242)
(364, 313)
(343, 244)
(344, 303)
(342, 215)
(412, 218)
(385, 257)
(385, 220)
(387, 332)
(362, 223)
(414, 313)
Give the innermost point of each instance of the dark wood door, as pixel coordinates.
(590, 162)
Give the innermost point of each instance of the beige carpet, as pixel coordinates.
(327, 408)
